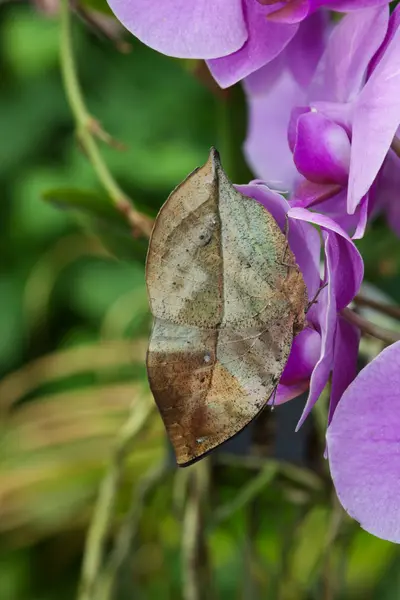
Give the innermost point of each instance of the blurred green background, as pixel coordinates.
(74, 324)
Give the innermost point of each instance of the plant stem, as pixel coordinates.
(103, 511)
(129, 528)
(231, 122)
(299, 475)
(246, 494)
(329, 576)
(86, 127)
(195, 563)
(386, 309)
(387, 336)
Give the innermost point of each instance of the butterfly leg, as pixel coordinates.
(286, 232)
(273, 399)
(315, 299)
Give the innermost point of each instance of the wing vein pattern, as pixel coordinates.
(226, 309)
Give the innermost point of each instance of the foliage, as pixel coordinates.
(74, 323)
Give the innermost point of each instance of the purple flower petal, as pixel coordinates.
(345, 361)
(292, 12)
(306, 48)
(363, 446)
(376, 119)
(394, 23)
(305, 352)
(330, 197)
(351, 46)
(183, 28)
(388, 191)
(344, 273)
(292, 130)
(266, 146)
(363, 213)
(300, 56)
(322, 149)
(284, 393)
(320, 374)
(263, 80)
(341, 113)
(303, 356)
(331, 200)
(349, 5)
(265, 41)
(306, 245)
(349, 276)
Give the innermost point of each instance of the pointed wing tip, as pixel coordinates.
(214, 158)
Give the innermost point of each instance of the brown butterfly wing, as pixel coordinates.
(225, 305)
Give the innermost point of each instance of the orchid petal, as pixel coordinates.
(292, 129)
(265, 41)
(263, 80)
(343, 284)
(345, 355)
(350, 5)
(292, 12)
(306, 48)
(309, 195)
(388, 191)
(363, 213)
(320, 374)
(349, 276)
(363, 446)
(376, 119)
(394, 23)
(186, 29)
(351, 46)
(303, 356)
(266, 146)
(331, 199)
(284, 392)
(322, 149)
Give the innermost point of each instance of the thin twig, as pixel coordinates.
(246, 494)
(103, 511)
(102, 26)
(129, 529)
(141, 224)
(386, 309)
(300, 475)
(195, 563)
(366, 327)
(251, 560)
(330, 580)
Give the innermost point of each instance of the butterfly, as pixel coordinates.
(228, 299)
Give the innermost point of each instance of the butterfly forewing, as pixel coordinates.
(227, 297)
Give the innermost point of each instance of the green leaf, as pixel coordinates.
(308, 547)
(97, 213)
(246, 494)
(30, 42)
(11, 323)
(90, 203)
(98, 5)
(97, 284)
